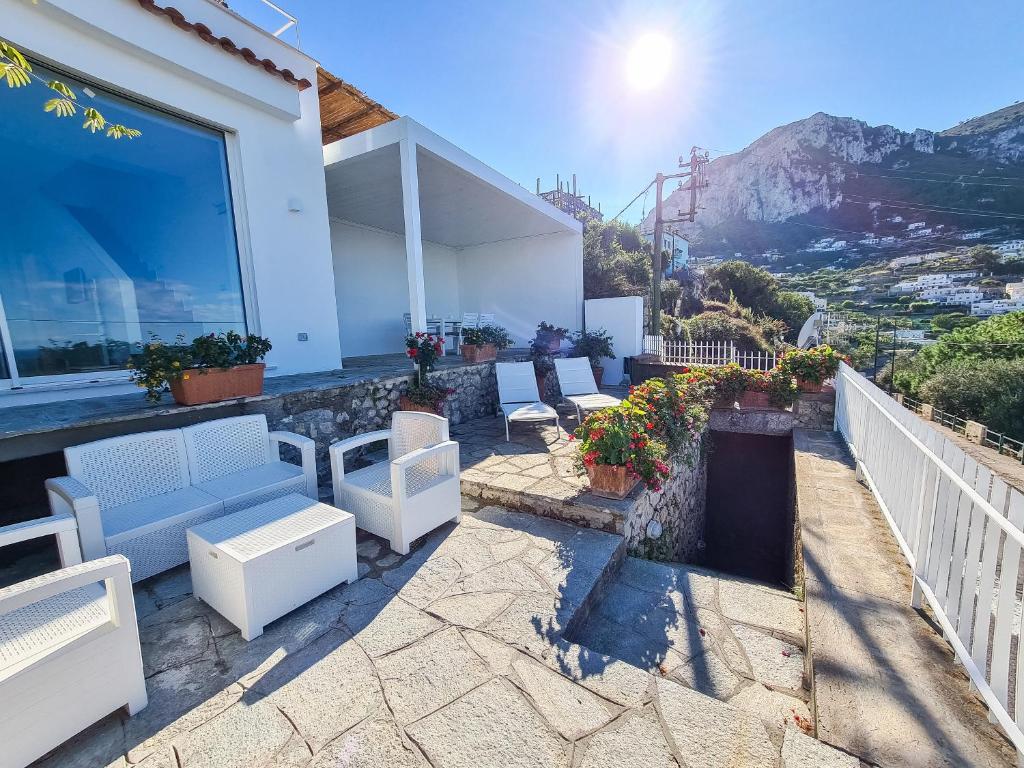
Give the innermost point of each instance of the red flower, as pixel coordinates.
(572, 437)
(650, 425)
(411, 352)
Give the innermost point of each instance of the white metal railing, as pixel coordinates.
(706, 353)
(266, 15)
(959, 527)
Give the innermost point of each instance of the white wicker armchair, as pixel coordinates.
(69, 647)
(413, 492)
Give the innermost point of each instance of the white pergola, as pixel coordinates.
(509, 249)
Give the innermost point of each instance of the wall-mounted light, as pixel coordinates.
(294, 205)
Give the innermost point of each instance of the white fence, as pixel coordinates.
(959, 527)
(706, 353)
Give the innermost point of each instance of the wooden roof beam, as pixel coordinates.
(342, 124)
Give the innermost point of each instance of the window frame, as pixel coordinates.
(243, 243)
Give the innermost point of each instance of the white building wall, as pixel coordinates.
(525, 281)
(371, 291)
(273, 143)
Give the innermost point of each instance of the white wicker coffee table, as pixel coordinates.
(258, 564)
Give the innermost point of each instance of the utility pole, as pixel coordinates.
(892, 371)
(878, 332)
(696, 172)
(659, 234)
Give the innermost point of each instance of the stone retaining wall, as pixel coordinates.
(329, 415)
(669, 524)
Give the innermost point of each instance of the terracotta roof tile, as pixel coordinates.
(206, 34)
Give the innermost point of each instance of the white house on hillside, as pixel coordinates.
(221, 215)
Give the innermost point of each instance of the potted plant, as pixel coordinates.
(481, 345)
(215, 367)
(423, 349)
(543, 364)
(550, 336)
(768, 389)
(729, 382)
(811, 367)
(593, 345)
(425, 398)
(617, 450)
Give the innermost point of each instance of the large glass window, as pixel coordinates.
(106, 242)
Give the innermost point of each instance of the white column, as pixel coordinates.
(413, 234)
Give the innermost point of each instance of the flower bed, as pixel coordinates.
(660, 419)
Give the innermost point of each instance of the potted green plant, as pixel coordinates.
(550, 336)
(423, 349)
(215, 367)
(593, 345)
(729, 382)
(543, 364)
(481, 345)
(425, 398)
(768, 389)
(617, 450)
(811, 367)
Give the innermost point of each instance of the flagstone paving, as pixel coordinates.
(736, 640)
(456, 655)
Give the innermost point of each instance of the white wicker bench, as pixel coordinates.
(136, 495)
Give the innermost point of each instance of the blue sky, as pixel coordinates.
(536, 88)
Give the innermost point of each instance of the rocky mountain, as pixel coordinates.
(840, 177)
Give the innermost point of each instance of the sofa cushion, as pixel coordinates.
(129, 521)
(248, 487)
(47, 624)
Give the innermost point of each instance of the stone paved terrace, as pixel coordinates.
(534, 471)
(726, 637)
(452, 656)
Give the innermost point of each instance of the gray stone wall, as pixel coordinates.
(669, 524)
(329, 415)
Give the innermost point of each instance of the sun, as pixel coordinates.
(648, 61)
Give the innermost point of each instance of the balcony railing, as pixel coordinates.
(997, 441)
(268, 16)
(959, 527)
(706, 353)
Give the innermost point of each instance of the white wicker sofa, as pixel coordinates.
(136, 495)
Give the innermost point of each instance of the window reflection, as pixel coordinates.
(106, 242)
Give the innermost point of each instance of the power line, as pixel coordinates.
(941, 181)
(642, 191)
(918, 207)
(940, 173)
(957, 208)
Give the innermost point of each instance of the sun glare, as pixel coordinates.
(648, 61)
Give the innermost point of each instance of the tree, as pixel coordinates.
(980, 391)
(756, 289)
(752, 286)
(616, 261)
(18, 73)
(984, 257)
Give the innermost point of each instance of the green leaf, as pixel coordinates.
(62, 89)
(15, 75)
(13, 54)
(117, 131)
(62, 107)
(94, 121)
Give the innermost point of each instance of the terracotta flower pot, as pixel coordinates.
(610, 481)
(598, 371)
(211, 385)
(808, 386)
(478, 353)
(725, 401)
(405, 404)
(750, 399)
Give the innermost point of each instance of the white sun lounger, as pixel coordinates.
(519, 397)
(576, 380)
